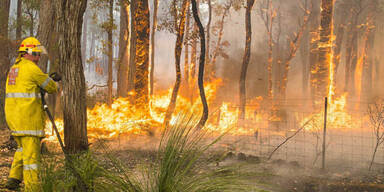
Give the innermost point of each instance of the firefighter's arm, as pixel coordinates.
(43, 80)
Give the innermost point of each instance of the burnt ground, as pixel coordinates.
(6, 155)
(276, 175)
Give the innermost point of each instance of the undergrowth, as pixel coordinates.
(175, 168)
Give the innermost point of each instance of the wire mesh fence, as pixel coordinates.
(349, 143)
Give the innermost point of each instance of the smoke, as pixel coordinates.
(289, 15)
(165, 72)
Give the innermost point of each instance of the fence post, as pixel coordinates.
(325, 132)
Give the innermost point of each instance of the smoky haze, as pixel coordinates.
(288, 13)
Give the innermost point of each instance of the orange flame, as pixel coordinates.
(337, 115)
(358, 76)
(123, 118)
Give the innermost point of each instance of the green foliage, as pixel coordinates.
(99, 6)
(108, 25)
(178, 167)
(171, 16)
(29, 14)
(181, 147)
(56, 176)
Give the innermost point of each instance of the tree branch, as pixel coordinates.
(288, 138)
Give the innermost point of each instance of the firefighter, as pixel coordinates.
(24, 113)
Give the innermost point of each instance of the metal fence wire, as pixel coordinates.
(349, 144)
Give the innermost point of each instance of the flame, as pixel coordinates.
(331, 87)
(337, 117)
(123, 118)
(361, 62)
(358, 76)
(229, 115)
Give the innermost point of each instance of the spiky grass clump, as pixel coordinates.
(177, 168)
(182, 145)
(57, 176)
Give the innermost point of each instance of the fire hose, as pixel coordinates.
(46, 109)
(67, 157)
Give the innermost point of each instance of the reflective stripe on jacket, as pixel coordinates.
(23, 110)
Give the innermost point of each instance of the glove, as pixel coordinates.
(55, 76)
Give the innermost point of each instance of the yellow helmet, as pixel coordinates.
(31, 45)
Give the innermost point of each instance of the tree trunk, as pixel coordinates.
(209, 70)
(325, 49)
(270, 50)
(154, 27)
(92, 67)
(314, 49)
(142, 26)
(192, 69)
(278, 55)
(363, 91)
(47, 35)
(351, 50)
(368, 67)
(122, 77)
(219, 38)
(31, 28)
(374, 155)
(132, 51)
(366, 91)
(278, 69)
(4, 55)
(84, 40)
(178, 49)
(204, 116)
(70, 19)
(46, 31)
(340, 21)
(105, 62)
(293, 45)
(186, 52)
(29, 11)
(246, 57)
(304, 53)
(348, 56)
(19, 19)
(110, 54)
(354, 60)
(351, 57)
(338, 45)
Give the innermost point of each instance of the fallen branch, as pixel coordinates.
(93, 86)
(96, 85)
(288, 138)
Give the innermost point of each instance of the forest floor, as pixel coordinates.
(6, 156)
(276, 175)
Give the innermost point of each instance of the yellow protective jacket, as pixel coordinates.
(23, 109)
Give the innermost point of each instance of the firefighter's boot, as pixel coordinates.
(12, 184)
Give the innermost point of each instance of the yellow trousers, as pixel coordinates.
(26, 162)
